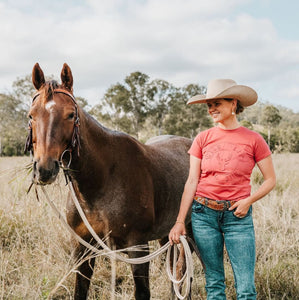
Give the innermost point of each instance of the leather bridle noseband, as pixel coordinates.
(75, 141)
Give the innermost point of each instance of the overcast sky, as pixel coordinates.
(255, 42)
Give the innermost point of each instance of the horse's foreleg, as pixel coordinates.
(83, 275)
(141, 278)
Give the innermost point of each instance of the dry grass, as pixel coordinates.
(36, 251)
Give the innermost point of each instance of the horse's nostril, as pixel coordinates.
(45, 173)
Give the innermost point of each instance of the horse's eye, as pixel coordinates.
(71, 116)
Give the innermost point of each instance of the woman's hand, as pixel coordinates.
(242, 207)
(177, 230)
(267, 169)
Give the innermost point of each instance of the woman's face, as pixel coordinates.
(221, 110)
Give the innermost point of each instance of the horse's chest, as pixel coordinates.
(97, 219)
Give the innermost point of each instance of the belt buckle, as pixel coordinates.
(224, 203)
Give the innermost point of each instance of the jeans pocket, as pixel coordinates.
(197, 207)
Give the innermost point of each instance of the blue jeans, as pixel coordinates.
(211, 229)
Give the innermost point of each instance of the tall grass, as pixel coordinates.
(36, 251)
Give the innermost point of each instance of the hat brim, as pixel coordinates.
(246, 95)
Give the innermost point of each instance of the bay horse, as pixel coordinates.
(126, 188)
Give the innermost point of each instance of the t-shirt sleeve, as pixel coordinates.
(262, 149)
(196, 149)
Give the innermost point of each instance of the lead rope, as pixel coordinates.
(188, 275)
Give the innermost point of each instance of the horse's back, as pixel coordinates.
(159, 138)
(170, 147)
(166, 139)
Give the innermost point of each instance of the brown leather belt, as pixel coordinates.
(215, 204)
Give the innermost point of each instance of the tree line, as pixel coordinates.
(144, 108)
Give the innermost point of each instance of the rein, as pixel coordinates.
(75, 141)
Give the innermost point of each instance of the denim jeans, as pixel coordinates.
(211, 230)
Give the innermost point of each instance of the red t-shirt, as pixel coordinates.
(228, 157)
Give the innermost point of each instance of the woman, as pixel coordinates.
(218, 188)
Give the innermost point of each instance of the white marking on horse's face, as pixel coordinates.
(50, 104)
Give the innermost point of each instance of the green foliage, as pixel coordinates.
(187, 120)
(252, 113)
(163, 92)
(82, 102)
(273, 142)
(288, 118)
(23, 90)
(13, 117)
(129, 101)
(128, 107)
(12, 125)
(290, 139)
(270, 116)
(281, 130)
(246, 124)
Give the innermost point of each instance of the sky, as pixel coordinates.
(254, 42)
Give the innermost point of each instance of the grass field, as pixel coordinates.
(36, 251)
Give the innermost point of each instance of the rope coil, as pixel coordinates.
(112, 254)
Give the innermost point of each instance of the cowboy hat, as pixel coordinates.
(226, 88)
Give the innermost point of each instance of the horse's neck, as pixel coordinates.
(99, 155)
(96, 150)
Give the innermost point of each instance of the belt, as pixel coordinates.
(215, 204)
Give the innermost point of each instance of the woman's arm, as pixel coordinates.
(267, 169)
(187, 198)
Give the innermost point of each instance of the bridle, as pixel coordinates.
(75, 141)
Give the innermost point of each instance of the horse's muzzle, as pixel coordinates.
(45, 173)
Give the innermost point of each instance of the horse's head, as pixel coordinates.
(53, 125)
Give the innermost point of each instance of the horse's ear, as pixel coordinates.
(38, 78)
(67, 77)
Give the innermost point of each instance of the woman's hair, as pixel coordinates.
(239, 108)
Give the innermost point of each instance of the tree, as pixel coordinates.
(83, 103)
(13, 125)
(183, 119)
(247, 124)
(163, 93)
(270, 118)
(23, 90)
(252, 113)
(13, 116)
(290, 139)
(129, 103)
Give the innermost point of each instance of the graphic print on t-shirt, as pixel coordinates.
(224, 161)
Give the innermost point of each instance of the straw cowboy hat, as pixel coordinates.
(226, 88)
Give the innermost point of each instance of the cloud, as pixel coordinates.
(176, 40)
